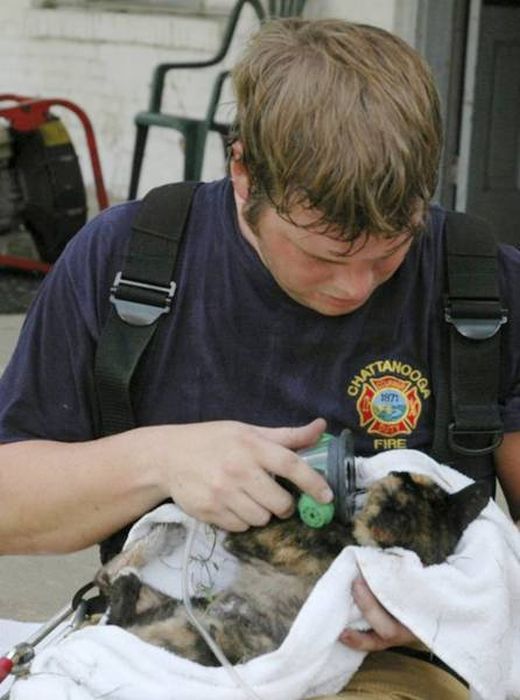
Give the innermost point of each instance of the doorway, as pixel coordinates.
(473, 47)
(493, 175)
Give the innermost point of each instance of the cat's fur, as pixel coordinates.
(280, 563)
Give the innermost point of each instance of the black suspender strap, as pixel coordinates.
(141, 293)
(475, 315)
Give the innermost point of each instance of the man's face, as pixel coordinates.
(317, 269)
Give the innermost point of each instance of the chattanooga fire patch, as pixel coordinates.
(389, 399)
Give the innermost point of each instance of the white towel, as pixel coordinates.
(466, 610)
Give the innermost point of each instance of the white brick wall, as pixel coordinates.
(104, 61)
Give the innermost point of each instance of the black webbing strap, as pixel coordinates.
(142, 292)
(470, 422)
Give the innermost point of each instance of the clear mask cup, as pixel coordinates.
(332, 456)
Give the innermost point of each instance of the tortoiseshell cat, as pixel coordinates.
(279, 565)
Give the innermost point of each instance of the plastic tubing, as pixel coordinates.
(219, 654)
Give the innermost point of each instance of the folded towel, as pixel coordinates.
(466, 610)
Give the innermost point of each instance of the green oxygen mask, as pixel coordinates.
(333, 457)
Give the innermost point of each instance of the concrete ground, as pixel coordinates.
(34, 588)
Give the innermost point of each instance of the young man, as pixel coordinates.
(309, 284)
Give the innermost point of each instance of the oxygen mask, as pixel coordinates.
(333, 457)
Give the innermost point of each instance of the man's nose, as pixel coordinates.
(354, 284)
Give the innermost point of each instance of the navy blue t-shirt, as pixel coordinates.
(235, 346)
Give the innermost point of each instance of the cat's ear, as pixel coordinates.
(468, 503)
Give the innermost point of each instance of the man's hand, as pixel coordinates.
(385, 630)
(223, 472)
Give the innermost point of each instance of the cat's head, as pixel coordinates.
(410, 510)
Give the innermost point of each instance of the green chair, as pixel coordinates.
(195, 130)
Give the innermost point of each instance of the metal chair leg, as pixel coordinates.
(195, 141)
(137, 161)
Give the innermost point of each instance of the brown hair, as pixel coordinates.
(340, 118)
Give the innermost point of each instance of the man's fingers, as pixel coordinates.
(249, 510)
(293, 468)
(286, 463)
(264, 492)
(240, 489)
(362, 641)
(296, 438)
(230, 521)
(385, 630)
(379, 619)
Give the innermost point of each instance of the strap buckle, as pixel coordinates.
(140, 303)
(494, 439)
(475, 319)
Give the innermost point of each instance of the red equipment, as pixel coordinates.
(41, 187)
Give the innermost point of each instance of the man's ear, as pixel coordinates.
(238, 171)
